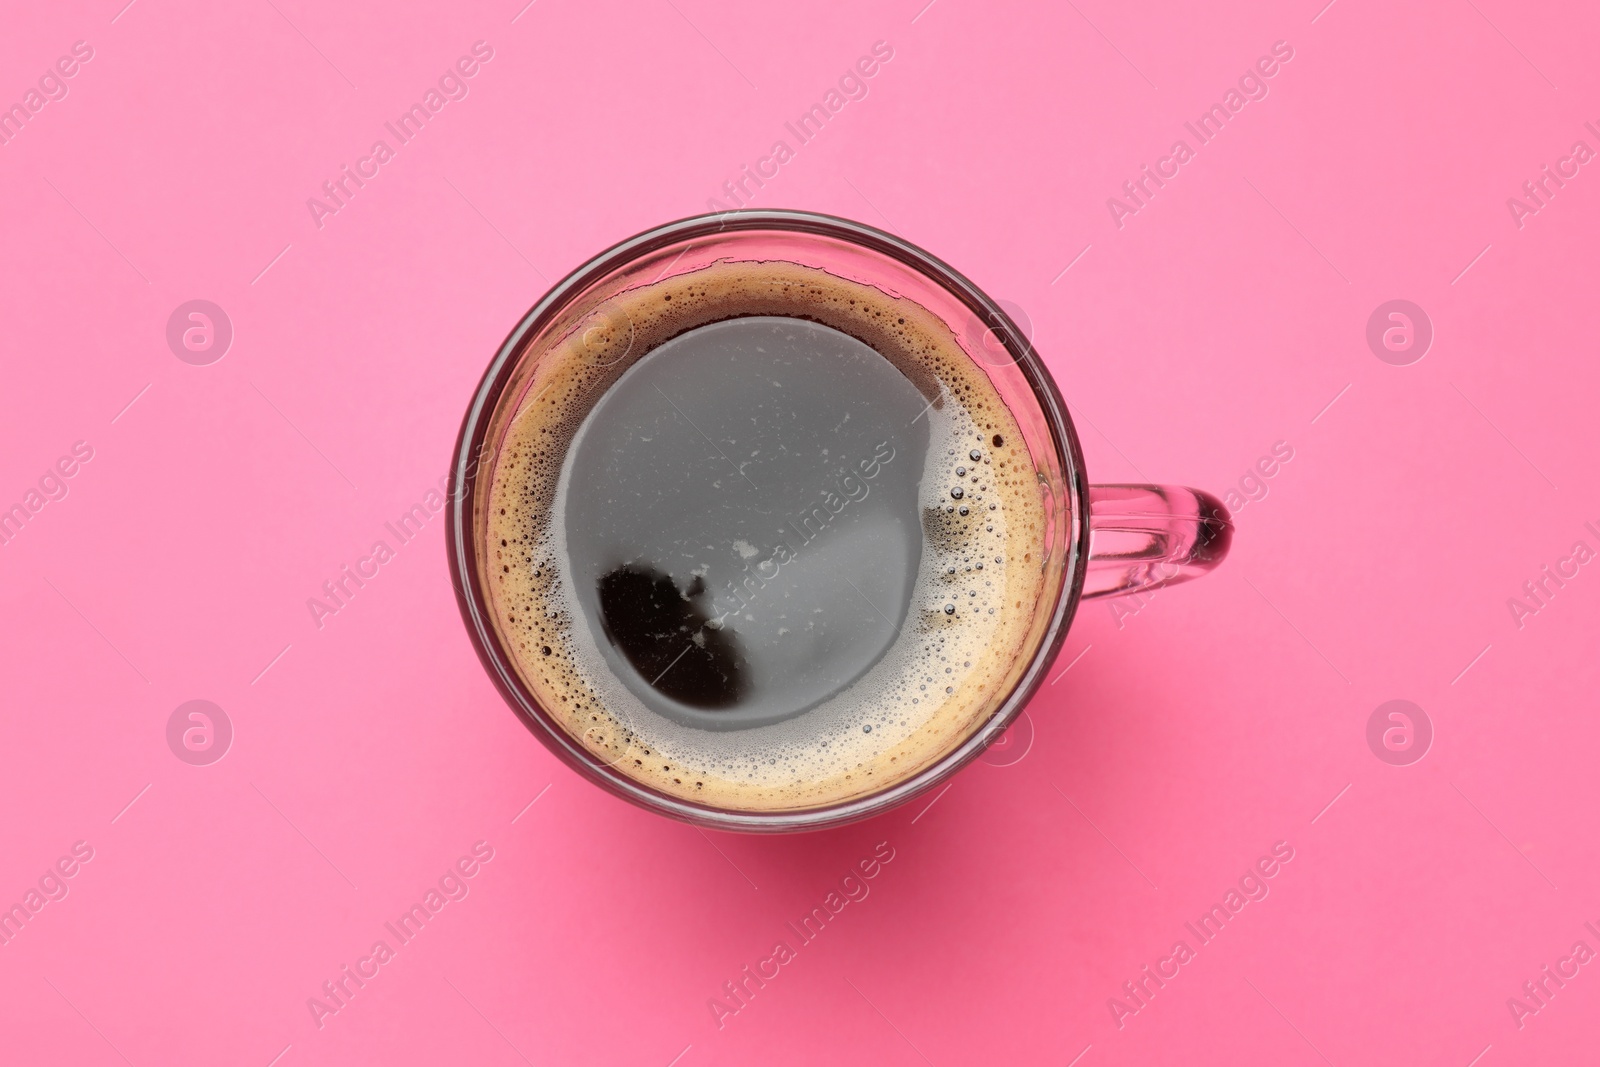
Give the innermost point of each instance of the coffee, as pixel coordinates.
(763, 538)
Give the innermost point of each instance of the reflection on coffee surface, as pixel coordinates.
(763, 538)
(741, 518)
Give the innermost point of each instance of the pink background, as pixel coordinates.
(1190, 734)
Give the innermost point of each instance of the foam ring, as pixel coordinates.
(951, 667)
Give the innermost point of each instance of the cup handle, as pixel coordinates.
(1142, 537)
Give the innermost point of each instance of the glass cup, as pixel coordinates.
(1100, 540)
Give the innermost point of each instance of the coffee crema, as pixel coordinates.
(796, 491)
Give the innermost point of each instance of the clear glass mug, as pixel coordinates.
(1100, 540)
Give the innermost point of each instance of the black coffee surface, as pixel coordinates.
(741, 519)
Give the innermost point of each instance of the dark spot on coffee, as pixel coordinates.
(663, 634)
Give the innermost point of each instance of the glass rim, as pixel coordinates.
(465, 467)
